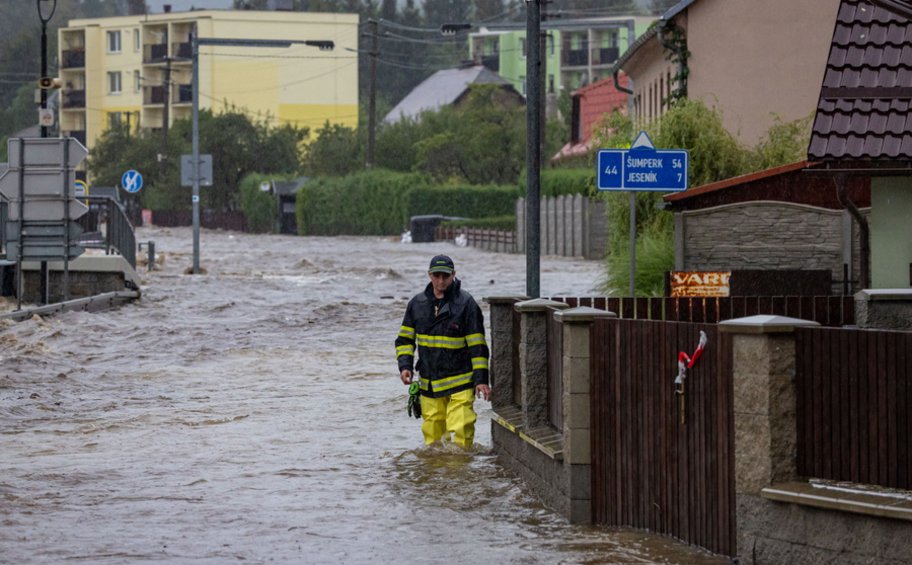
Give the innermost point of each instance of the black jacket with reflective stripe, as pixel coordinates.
(452, 351)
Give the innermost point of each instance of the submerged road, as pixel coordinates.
(254, 414)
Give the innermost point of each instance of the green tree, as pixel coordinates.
(336, 151)
(480, 141)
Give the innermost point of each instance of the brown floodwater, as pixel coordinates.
(255, 414)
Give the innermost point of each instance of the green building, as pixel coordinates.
(578, 52)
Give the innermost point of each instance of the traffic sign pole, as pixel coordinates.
(641, 168)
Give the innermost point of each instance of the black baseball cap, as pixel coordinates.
(441, 264)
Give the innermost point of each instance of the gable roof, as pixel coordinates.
(441, 89)
(863, 110)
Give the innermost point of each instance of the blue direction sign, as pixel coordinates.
(131, 181)
(642, 167)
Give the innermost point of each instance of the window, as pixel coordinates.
(114, 119)
(114, 82)
(114, 41)
(137, 80)
(551, 84)
(522, 44)
(136, 40)
(522, 79)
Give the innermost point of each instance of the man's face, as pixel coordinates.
(441, 281)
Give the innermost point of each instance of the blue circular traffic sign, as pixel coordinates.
(131, 181)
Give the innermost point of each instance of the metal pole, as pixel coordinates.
(195, 167)
(632, 243)
(372, 95)
(533, 148)
(43, 274)
(66, 220)
(20, 283)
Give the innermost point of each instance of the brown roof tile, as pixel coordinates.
(857, 117)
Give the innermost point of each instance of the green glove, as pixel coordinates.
(414, 401)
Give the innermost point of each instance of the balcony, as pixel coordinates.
(184, 94)
(73, 59)
(182, 50)
(79, 135)
(155, 53)
(576, 58)
(153, 95)
(74, 99)
(605, 56)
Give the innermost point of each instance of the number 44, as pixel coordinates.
(611, 170)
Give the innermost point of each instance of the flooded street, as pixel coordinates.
(255, 414)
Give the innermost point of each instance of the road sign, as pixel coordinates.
(205, 170)
(45, 117)
(53, 250)
(642, 168)
(81, 189)
(46, 152)
(131, 181)
(47, 209)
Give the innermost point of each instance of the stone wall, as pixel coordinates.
(766, 235)
(82, 284)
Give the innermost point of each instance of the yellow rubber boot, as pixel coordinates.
(460, 418)
(433, 410)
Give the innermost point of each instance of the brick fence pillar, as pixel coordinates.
(575, 373)
(501, 344)
(533, 358)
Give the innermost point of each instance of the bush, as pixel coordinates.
(259, 207)
(557, 182)
(366, 203)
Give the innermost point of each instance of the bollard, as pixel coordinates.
(150, 249)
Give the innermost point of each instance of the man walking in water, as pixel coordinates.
(447, 326)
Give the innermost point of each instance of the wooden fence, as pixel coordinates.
(649, 469)
(854, 405)
(503, 241)
(831, 311)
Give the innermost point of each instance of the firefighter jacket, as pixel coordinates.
(452, 352)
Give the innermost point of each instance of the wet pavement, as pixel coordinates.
(255, 414)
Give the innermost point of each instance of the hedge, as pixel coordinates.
(259, 207)
(380, 202)
(556, 182)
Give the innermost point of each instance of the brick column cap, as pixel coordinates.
(764, 324)
(539, 305)
(883, 294)
(582, 314)
(505, 299)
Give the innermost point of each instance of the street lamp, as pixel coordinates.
(44, 20)
(322, 45)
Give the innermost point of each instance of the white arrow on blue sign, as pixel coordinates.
(642, 168)
(131, 181)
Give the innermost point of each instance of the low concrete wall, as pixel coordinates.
(88, 276)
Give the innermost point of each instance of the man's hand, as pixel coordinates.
(406, 376)
(483, 392)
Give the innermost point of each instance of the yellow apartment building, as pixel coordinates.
(137, 70)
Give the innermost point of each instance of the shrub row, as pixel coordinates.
(557, 182)
(380, 202)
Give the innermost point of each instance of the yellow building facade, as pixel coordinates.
(137, 70)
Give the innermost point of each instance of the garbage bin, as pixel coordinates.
(423, 227)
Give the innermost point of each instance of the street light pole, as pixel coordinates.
(195, 43)
(44, 22)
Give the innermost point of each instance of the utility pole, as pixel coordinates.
(533, 148)
(372, 93)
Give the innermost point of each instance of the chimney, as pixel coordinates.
(167, 8)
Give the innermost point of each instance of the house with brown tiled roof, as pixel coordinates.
(753, 59)
(863, 127)
(589, 105)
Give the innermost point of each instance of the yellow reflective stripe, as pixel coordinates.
(423, 383)
(405, 350)
(441, 341)
(475, 339)
(406, 332)
(452, 382)
(479, 363)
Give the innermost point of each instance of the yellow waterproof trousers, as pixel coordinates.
(449, 415)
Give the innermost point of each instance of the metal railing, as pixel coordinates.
(106, 226)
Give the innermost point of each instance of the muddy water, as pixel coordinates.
(255, 414)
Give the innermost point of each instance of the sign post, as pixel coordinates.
(641, 168)
(39, 186)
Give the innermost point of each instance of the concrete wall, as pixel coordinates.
(766, 235)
